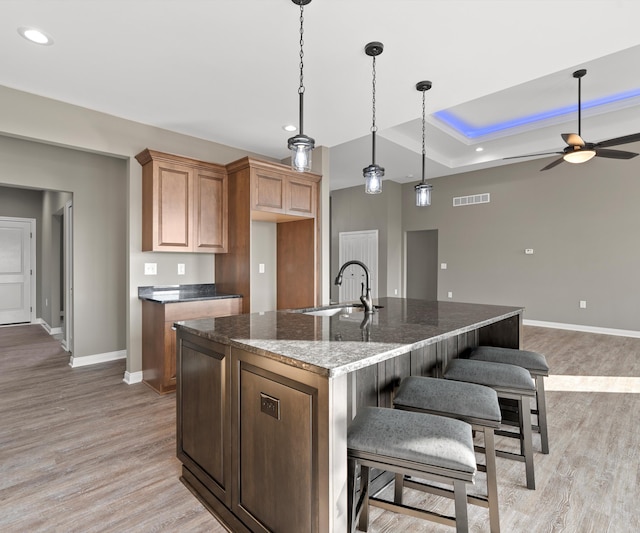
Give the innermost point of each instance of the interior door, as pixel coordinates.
(15, 270)
(361, 246)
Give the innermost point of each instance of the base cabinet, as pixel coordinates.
(203, 417)
(159, 337)
(247, 436)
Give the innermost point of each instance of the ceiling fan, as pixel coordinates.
(579, 151)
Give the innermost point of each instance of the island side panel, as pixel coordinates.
(505, 333)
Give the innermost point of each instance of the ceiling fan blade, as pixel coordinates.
(572, 139)
(619, 140)
(615, 154)
(553, 164)
(531, 155)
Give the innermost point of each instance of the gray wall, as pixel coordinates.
(31, 117)
(98, 186)
(353, 210)
(264, 245)
(582, 221)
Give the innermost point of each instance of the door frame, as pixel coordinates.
(67, 341)
(32, 266)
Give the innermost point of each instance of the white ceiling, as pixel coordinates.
(227, 71)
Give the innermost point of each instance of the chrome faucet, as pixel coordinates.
(365, 297)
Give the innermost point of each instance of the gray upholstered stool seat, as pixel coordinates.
(426, 446)
(537, 366)
(510, 382)
(475, 404)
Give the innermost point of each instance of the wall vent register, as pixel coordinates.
(484, 198)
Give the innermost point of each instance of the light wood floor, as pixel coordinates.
(80, 451)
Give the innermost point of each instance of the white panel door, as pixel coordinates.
(15, 271)
(361, 246)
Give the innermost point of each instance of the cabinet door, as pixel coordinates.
(210, 211)
(301, 197)
(277, 457)
(268, 191)
(203, 418)
(172, 197)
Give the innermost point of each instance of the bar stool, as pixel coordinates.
(426, 446)
(475, 404)
(536, 364)
(510, 382)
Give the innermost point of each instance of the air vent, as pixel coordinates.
(483, 198)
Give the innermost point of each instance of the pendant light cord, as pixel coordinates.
(301, 88)
(374, 128)
(424, 152)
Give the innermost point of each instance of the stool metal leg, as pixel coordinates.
(397, 488)
(526, 441)
(492, 482)
(363, 524)
(460, 497)
(541, 405)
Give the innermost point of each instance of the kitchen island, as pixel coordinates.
(264, 399)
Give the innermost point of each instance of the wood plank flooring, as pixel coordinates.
(81, 451)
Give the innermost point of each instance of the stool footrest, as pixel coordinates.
(413, 511)
(473, 499)
(509, 455)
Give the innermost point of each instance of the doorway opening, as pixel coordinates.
(422, 264)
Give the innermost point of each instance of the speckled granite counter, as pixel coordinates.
(336, 345)
(182, 293)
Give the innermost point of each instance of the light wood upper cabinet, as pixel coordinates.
(184, 204)
(278, 192)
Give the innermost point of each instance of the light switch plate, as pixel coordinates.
(150, 269)
(181, 269)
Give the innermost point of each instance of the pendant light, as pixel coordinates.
(373, 173)
(301, 145)
(423, 189)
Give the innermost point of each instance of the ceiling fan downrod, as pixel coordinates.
(579, 75)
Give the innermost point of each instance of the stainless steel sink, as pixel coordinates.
(331, 311)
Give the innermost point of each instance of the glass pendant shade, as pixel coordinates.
(373, 175)
(579, 156)
(423, 194)
(301, 148)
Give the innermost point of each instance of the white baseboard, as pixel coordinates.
(75, 362)
(586, 329)
(48, 328)
(132, 377)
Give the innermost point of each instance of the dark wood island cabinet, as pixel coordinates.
(264, 399)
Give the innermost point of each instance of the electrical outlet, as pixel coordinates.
(181, 269)
(443, 266)
(583, 304)
(261, 268)
(450, 294)
(528, 251)
(150, 269)
(395, 292)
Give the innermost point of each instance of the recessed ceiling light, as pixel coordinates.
(289, 127)
(479, 149)
(35, 36)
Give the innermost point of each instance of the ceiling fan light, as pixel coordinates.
(373, 175)
(423, 194)
(579, 156)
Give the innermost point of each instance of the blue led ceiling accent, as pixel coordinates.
(472, 132)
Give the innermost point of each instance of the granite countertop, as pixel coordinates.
(182, 293)
(339, 344)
